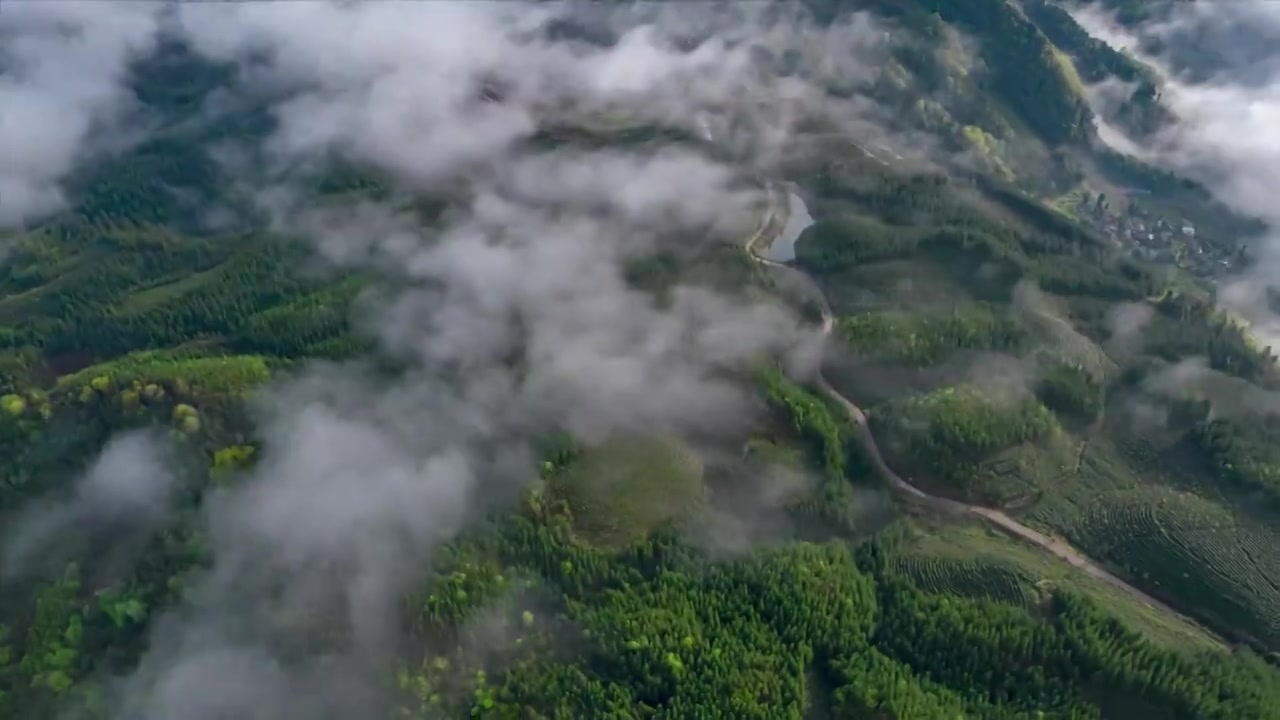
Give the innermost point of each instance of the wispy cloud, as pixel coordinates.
(513, 314)
(124, 495)
(63, 93)
(1221, 78)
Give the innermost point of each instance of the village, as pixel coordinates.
(1158, 239)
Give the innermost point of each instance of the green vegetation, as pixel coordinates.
(948, 433)
(975, 545)
(1190, 549)
(1025, 75)
(1242, 454)
(1059, 462)
(989, 252)
(973, 579)
(185, 375)
(1070, 391)
(923, 339)
(93, 294)
(1185, 326)
(1095, 61)
(842, 242)
(1026, 70)
(984, 249)
(623, 489)
(813, 419)
(802, 629)
(602, 591)
(826, 434)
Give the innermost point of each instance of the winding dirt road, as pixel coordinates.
(772, 224)
(761, 238)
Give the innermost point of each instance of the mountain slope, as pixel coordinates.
(542, 440)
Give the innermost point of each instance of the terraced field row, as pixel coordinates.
(968, 578)
(1195, 551)
(1092, 473)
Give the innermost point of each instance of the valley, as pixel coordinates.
(633, 361)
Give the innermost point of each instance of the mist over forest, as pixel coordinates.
(836, 358)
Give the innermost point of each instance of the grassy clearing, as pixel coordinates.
(1068, 203)
(1069, 72)
(621, 490)
(990, 151)
(1027, 473)
(222, 375)
(924, 339)
(157, 295)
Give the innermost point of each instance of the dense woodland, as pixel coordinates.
(589, 597)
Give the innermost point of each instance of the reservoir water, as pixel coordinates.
(783, 248)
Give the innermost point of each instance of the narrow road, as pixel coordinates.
(862, 430)
(762, 237)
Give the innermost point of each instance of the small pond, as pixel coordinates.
(783, 248)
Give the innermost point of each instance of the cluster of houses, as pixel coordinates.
(1152, 235)
(1157, 239)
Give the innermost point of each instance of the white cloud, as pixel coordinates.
(63, 93)
(126, 492)
(1222, 81)
(513, 315)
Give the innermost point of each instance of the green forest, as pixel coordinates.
(973, 323)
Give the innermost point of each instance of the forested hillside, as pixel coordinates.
(333, 432)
